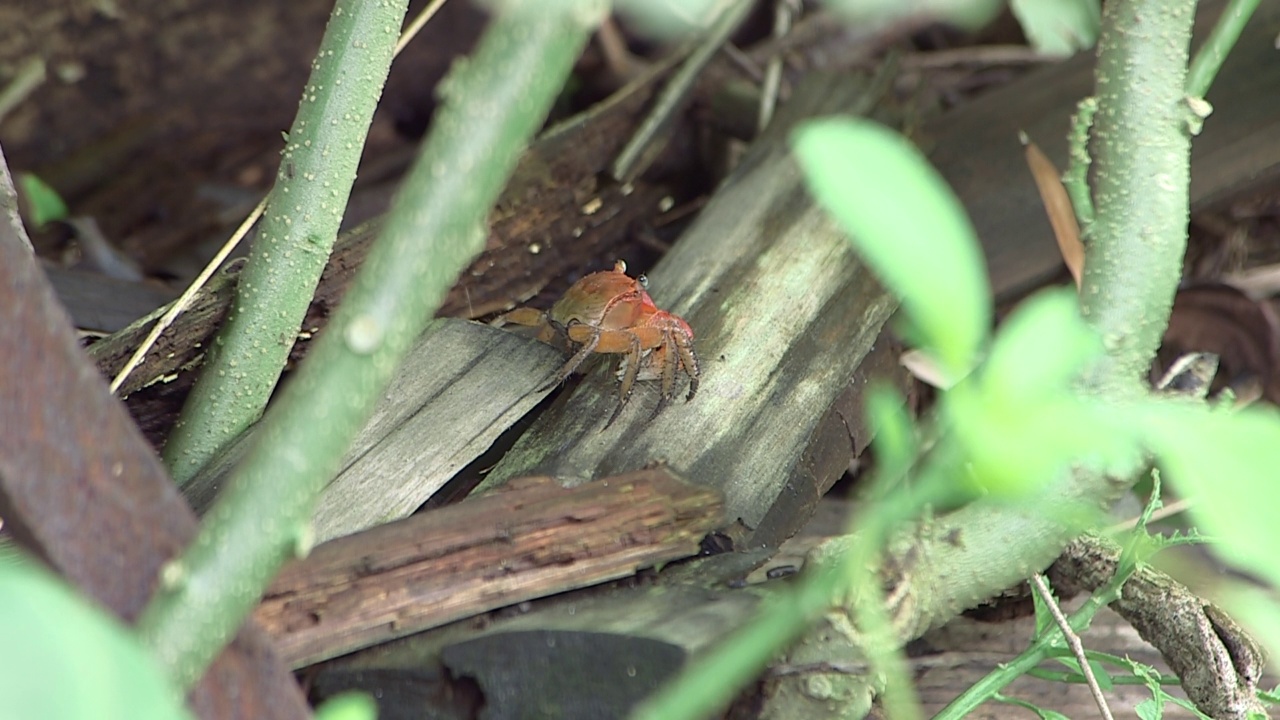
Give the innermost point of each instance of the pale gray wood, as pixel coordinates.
(459, 389)
(783, 314)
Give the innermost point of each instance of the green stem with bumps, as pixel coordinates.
(296, 235)
(494, 102)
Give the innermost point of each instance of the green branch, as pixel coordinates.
(493, 103)
(1209, 59)
(296, 235)
(1142, 130)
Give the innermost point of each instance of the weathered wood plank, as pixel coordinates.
(531, 540)
(81, 489)
(453, 396)
(783, 314)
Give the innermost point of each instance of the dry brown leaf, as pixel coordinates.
(1057, 206)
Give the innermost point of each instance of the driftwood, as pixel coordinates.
(533, 539)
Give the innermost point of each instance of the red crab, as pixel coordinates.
(610, 312)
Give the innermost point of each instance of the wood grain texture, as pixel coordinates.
(80, 487)
(783, 314)
(530, 540)
(462, 386)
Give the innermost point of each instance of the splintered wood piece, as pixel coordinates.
(530, 540)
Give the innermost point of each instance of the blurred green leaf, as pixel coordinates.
(668, 19)
(1019, 418)
(43, 201)
(67, 660)
(907, 225)
(348, 706)
(1040, 349)
(1227, 464)
(964, 14)
(1059, 27)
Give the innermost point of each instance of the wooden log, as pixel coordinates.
(101, 303)
(590, 653)
(81, 489)
(531, 540)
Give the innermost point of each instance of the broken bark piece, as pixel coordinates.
(531, 540)
(1219, 664)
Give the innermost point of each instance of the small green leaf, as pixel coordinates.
(1059, 27)
(44, 202)
(348, 706)
(908, 226)
(74, 662)
(1102, 676)
(1150, 709)
(1226, 463)
(1044, 618)
(1040, 349)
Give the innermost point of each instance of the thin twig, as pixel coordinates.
(783, 13)
(977, 55)
(416, 26)
(631, 161)
(1207, 61)
(185, 299)
(30, 75)
(1169, 510)
(1073, 640)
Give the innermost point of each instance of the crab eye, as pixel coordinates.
(644, 281)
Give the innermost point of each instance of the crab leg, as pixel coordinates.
(689, 361)
(629, 378)
(589, 343)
